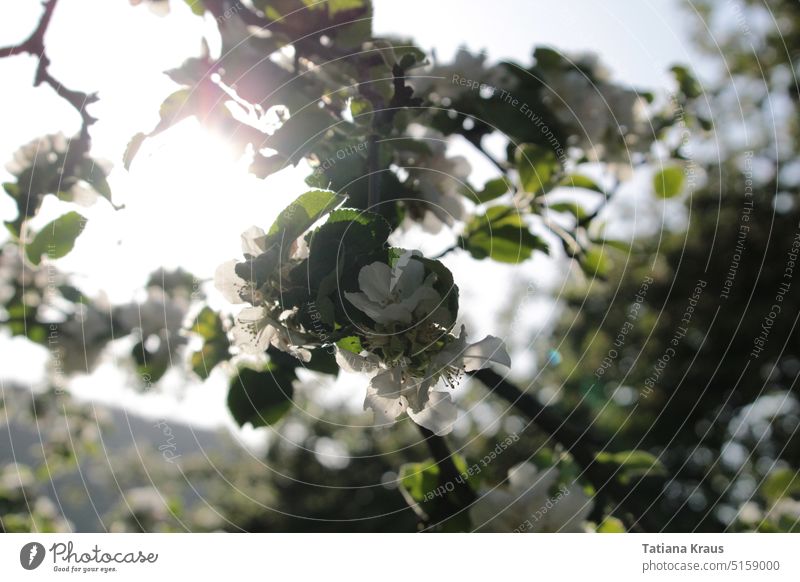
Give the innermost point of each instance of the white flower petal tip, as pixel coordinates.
(254, 241)
(531, 492)
(228, 282)
(490, 350)
(439, 414)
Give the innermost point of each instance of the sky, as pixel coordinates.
(173, 215)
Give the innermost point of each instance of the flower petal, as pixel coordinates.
(490, 350)
(407, 275)
(571, 507)
(523, 475)
(228, 282)
(495, 512)
(391, 313)
(350, 362)
(423, 301)
(384, 397)
(374, 280)
(252, 332)
(254, 241)
(438, 415)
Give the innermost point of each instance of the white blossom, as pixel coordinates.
(438, 180)
(399, 294)
(256, 329)
(531, 503)
(399, 388)
(39, 152)
(609, 122)
(44, 157)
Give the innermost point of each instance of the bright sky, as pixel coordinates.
(187, 199)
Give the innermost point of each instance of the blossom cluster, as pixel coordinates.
(395, 322)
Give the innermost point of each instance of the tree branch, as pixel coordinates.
(462, 494)
(373, 173)
(583, 445)
(34, 45)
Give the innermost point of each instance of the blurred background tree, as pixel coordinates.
(656, 324)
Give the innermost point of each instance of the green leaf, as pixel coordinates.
(336, 6)
(502, 235)
(208, 325)
(595, 262)
(547, 58)
(687, 83)
(419, 479)
(580, 181)
(632, 464)
(12, 189)
(176, 106)
(410, 57)
(422, 486)
(780, 483)
(94, 175)
(261, 398)
(611, 525)
(304, 212)
(300, 132)
(150, 366)
(361, 110)
(491, 190)
(340, 248)
(196, 6)
(537, 166)
(445, 286)
(620, 245)
(379, 227)
(132, 149)
(351, 344)
(573, 208)
(668, 183)
(57, 238)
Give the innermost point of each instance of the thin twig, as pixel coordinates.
(34, 45)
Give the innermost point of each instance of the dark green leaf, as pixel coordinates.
(491, 190)
(323, 361)
(687, 83)
(150, 366)
(445, 286)
(377, 224)
(502, 235)
(573, 208)
(57, 238)
(261, 398)
(208, 325)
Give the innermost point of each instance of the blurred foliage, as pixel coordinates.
(703, 434)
